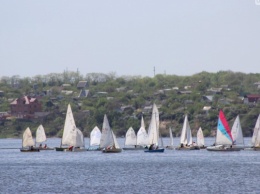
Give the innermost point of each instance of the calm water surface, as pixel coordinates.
(127, 172)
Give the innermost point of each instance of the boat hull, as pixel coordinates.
(160, 150)
(45, 148)
(137, 148)
(223, 148)
(29, 150)
(113, 150)
(253, 149)
(59, 149)
(188, 148)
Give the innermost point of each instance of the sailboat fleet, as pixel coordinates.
(73, 140)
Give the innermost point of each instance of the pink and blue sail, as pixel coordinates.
(223, 126)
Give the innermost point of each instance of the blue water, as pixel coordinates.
(127, 172)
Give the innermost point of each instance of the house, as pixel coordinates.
(67, 92)
(147, 109)
(82, 84)
(252, 99)
(83, 93)
(215, 90)
(121, 89)
(207, 98)
(100, 94)
(25, 106)
(184, 92)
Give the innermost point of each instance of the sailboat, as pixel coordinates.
(131, 140)
(94, 143)
(142, 136)
(40, 138)
(224, 139)
(28, 142)
(237, 134)
(170, 147)
(108, 140)
(72, 137)
(200, 139)
(186, 142)
(153, 132)
(256, 136)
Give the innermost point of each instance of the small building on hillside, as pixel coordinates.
(252, 99)
(82, 85)
(25, 107)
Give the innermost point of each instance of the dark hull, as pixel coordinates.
(60, 149)
(188, 148)
(155, 151)
(46, 148)
(29, 150)
(114, 150)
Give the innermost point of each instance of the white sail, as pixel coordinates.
(256, 134)
(106, 136)
(142, 122)
(171, 137)
(115, 141)
(130, 137)
(186, 137)
(142, 137)
(76, 138)
(40, 134)
(80, 139)
(69, 128)
(95, 136)
(236, 132)
(153, 132)
(27, 138)
(200, 138)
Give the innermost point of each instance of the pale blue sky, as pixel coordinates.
(129, 37)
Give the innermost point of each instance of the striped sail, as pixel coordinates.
(224, 136)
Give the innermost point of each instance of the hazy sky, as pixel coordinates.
(129, 37)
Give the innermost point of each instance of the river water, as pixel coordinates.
(127, 172)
